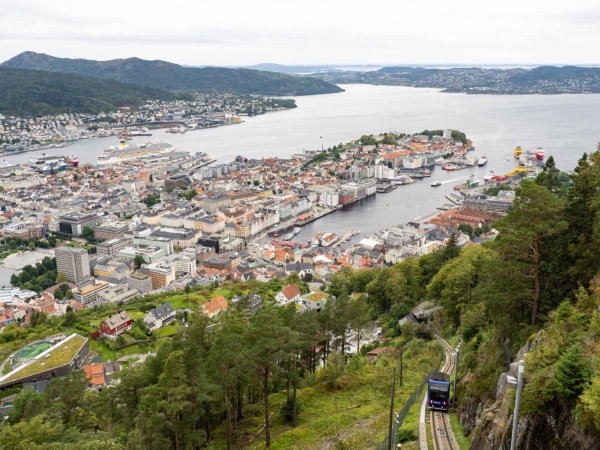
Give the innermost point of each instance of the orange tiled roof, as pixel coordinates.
(95, 373)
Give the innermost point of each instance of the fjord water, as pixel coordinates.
(564, 125)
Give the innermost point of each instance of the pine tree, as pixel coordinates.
(572, 374)
(452, 249)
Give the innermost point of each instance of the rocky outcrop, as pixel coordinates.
(491, 423)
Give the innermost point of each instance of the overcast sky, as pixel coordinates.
(233, 32)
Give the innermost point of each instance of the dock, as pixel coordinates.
(345, 238)
(454, 198)
(316, 217)
(384, 188)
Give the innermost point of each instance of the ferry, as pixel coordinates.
(482, 161)
(472, 181)
(539, 154)
(53, 161)
(436, 184)
(127, 152)
(518, 151)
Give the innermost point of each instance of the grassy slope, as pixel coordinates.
(327, 417)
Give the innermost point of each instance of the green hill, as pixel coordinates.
(165, 75)
(39, 93)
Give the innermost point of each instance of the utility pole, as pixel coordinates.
(401, 354)
(392, 410)
(455, 376)
(513, 440)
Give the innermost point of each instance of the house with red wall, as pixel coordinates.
(116, 325)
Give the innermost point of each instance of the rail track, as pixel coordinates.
(443, 437)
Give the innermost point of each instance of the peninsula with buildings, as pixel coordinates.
(20, 134)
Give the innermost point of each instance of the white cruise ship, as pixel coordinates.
(127, 152)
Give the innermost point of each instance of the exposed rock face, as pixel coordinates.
(491, 423)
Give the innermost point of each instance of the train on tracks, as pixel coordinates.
(438, 391)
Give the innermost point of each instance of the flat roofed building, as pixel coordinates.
(73, 263)
(88, 295)
(73, 223)
(116, 294)
(110, 231)
(151, 254)
(112, 246)
(213, 203)
(155, 241)
(57, 361)
(161, 274)
(181, 238)
(140, 282)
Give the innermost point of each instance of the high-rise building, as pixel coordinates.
(73, 263)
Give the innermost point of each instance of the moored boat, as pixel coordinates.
(472, 181)
(539, 154)
(449, 167)
(518, 151)
(489, 176)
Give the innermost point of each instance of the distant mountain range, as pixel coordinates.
(539, 80)
(169, 76)
(38, 93)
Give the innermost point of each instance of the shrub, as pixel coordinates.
(405, 435)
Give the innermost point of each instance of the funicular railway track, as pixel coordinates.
(443, 437)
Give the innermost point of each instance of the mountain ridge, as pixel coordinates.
(174, 77)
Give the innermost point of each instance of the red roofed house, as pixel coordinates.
(116, 325)
(101, 374)
(289, 294)
(215, 306)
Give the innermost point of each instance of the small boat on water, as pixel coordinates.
(449, 167)
(436, 183)
(539, 154)
(489, 176)
(472, 181)
(482, 161)
(297, 230)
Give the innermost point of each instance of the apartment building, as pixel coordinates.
(73, 263)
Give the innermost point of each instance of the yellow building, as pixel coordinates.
(161, 274)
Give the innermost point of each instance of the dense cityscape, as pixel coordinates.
(274, 225)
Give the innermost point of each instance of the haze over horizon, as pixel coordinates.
(236, 33)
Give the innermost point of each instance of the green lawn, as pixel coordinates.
(102, 350)
(130, 350)
(169, 330)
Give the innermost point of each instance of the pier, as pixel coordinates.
(345, 238)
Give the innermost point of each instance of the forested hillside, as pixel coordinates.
(37, 93)
(165, 75)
